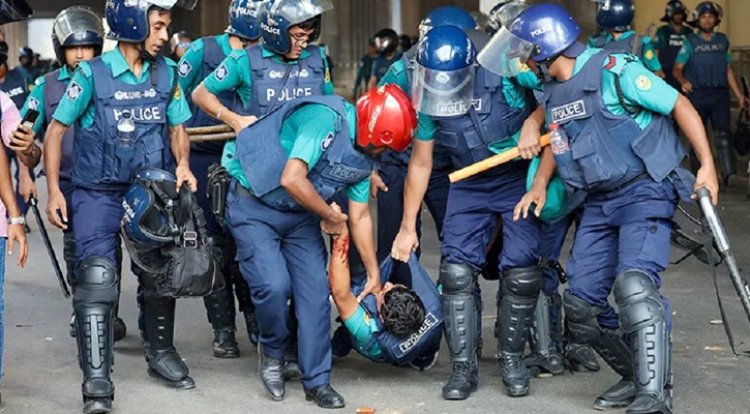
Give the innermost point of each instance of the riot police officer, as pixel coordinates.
(615, 17)
(386, 41)
(477, 114)
(128, 110)
(670, 37)
(285, 169)
(621, 153)
(203, 57)
(703, 70)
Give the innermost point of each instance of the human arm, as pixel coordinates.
(360, 222)
(537, 195)
(53, 155)
(528, 142)
(294, 180)
(339, 276)
(16, 232)
(692, 126)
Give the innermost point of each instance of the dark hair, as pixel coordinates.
(311, 23)
(402, 312)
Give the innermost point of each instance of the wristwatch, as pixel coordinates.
(17, 220)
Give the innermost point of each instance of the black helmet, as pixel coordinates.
(674, 8)
(386, 41)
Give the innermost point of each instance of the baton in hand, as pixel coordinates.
(491, 162)
(48, 244)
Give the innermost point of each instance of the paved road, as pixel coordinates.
(41, 373)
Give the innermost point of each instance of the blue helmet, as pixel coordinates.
(77, 26)
(707, 7)
(615, 15)
(149, 205)
(244, 19)
(549, 28)
(444, 74)
(447, 16)
(674, 8)
(128, 19)
(279, 16)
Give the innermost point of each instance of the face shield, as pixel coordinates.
(170, 4)
(443, 93)
(506, 54)
(298, 11)
(14, 11)
(504, 16)
(76, 22)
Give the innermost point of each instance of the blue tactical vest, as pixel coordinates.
(398, 350)
(263, 159)
(212, 58)
(633, 44)
(490, 119)
(668, 54)
(53, 93)
(607, 151)
(707, 68)
(275, 83)
(16, 87)
(102, 160)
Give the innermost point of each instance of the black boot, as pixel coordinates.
(221, 314)
(271, 372)
(545, 337)
(643, 316)
(325, 396)
(164, 363)
(521, 288)
(292, 371)
(581, 357)
(225, 344)
(120, 329)
(459, 306)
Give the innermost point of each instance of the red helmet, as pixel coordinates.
(385, 118)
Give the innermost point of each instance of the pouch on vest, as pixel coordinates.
(557, 198)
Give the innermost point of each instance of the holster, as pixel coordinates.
(218, 186)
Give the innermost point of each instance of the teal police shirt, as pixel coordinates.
(648, 56)
(191, 64)
(36, 99)
(363, 328)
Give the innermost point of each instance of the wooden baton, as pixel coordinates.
(491, 162)
(215, 137)
(209, 130)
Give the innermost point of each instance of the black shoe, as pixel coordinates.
(581, 357)
(341, 343)
(462, 383)
(550, 363)
(325, 396)
(167, 366)
(271, 373)
(424, 362)
(225, 345)
(120, 330)
(292, 371)
(619, 395)
(515, 375)
(253, 333)
(97, 405)
(649, 404)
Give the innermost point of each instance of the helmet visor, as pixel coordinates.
(506, 54)
(504, 16)
(14, 11)
(170, 4)
(442, 93)
(74, 24)
(297, 11)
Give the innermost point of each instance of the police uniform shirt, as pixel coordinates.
(233, 74)
(35, 100)
(665, 37)
(76, 104)
(305, 135)
(363, 329)
(648, 56)
(640, 87)
(686, 53)
(191, 64)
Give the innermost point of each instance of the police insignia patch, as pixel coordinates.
(327, 141)
(649, 55)
(643, 83)
(33, 103)
(221, 72)
(74, 91)
(184, 68)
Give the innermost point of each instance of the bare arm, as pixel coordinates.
(180, 145)
(211, 105)
(537, 195)
(52, 156)
(8, 197)
(294, 180)
(360, 221)
(339, 277)
(679, 73)
(692, 126)
(735, 86)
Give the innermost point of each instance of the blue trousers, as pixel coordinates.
(626, 229)
(713, 105)
(97, 215)
(199, 163)
(474, 207)
(282, 255)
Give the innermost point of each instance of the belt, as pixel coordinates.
(241, 190)
(642, 176)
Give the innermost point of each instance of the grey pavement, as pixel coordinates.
(42, 375)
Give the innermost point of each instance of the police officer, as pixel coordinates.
(77, 36)
(285, 169)
(622, 154)
(26, 65)
(615, 17)
(670, 37)
(704, 73)
(128, 111)
(203, 57)
(476, 118)
(386, 41)
(179, 44)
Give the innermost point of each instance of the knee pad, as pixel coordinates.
(639, 301)
(457, 278)
(97, 282)
(581, 317)
(523, 282)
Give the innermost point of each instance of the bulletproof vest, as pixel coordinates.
(632, 44)
(53, 93)
(263, 159)
(381, 66)
(15, 86)
(489, 119)
(674, 42)
(103, 160)
(707, 67)
(398, 350)
(275, 83)
(212, 58)
(606, 150)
